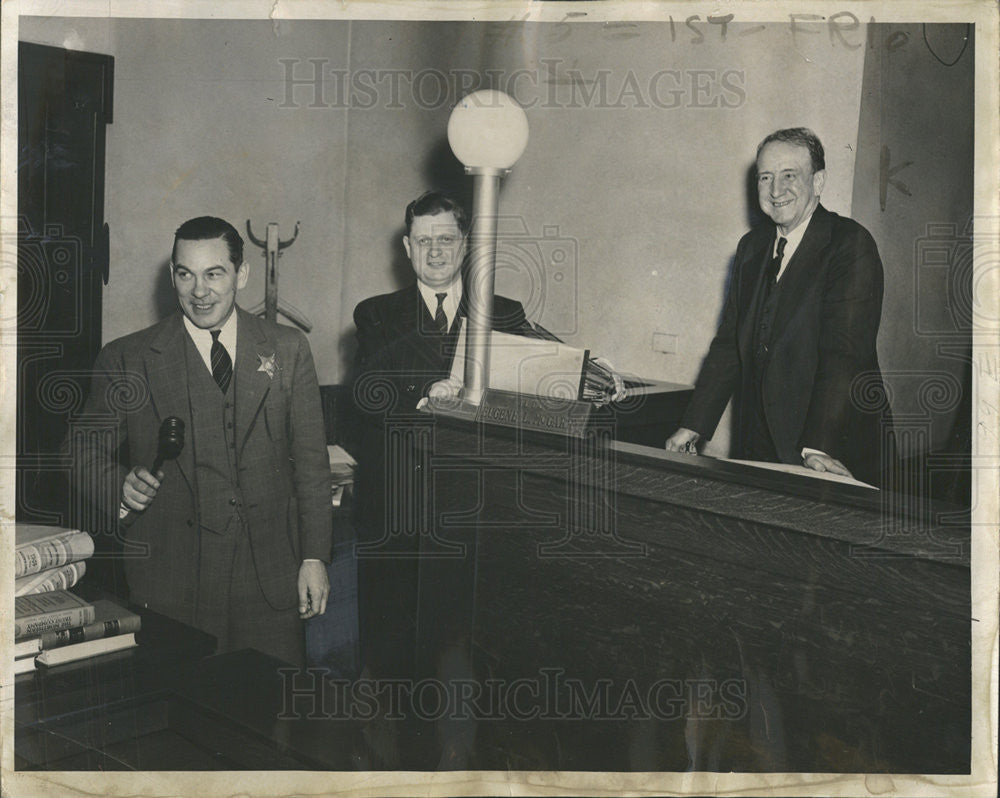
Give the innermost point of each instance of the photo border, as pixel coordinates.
(986, 399)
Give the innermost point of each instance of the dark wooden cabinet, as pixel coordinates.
(64, 104)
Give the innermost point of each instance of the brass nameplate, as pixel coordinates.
(541, 414)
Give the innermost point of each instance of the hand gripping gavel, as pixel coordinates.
(171, 441)
(169, 445)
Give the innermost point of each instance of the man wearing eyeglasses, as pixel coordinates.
(406, 342)
(409, 336)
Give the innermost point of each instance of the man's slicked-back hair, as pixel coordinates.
(431, 203)
(207, 228)
(803, 137)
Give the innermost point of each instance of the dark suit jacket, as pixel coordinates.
(284, 473)
(397, 340)
(821, 387)
(400, 355)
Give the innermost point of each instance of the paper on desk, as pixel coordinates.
(338, 454)
(787, 468)
(342, 465)
(528, 365)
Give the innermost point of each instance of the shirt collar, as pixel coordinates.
(203, 338)
(792, 240)
(451, 302)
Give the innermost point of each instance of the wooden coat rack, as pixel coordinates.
(272, 304)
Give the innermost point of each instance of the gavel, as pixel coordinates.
(169, 444)
(171, 441)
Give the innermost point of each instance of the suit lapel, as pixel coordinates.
(166, 373)
(463, 311)
(417, 326)
(753, 282)
(256, 354)
(802, 268)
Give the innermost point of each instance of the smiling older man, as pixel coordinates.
(797, 338)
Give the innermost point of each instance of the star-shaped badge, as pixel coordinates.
(268, 364)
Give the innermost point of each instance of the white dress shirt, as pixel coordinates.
(451, 302)
(202, 339)
(792, 241)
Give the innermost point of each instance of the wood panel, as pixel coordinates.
(814, 649)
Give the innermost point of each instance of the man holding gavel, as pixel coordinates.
(223, 476)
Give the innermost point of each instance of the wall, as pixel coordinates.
(656, 196)
(917, 124)
(642, 184)
(199, 129)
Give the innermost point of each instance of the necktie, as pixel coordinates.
(773, 267)
(222, 364)
(440, 319)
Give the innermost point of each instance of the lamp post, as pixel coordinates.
(488, 132)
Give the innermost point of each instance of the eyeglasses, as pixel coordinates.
(440, 242)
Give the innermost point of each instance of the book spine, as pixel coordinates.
(27, 560)
(36, 557)
(84, 651)
(28, 647)
(583, 375)
(53, 579)
(63, 619)
(92, 631)
(24, 665)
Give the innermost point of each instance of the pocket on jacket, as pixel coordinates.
(292, 527)
(274, 421)
(281, 466)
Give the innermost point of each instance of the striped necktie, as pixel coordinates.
(222, 364)
(440, 319)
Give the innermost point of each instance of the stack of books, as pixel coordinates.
(342, 467)
(57, 627)
(52, 625)
(48, 558)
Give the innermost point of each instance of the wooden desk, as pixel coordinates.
(787, 623)
(94, 713)
(165, 706)
(396, 512)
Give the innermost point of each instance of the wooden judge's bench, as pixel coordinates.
(675, 612)
(579, 603)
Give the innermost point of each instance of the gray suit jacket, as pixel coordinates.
(284, 473)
